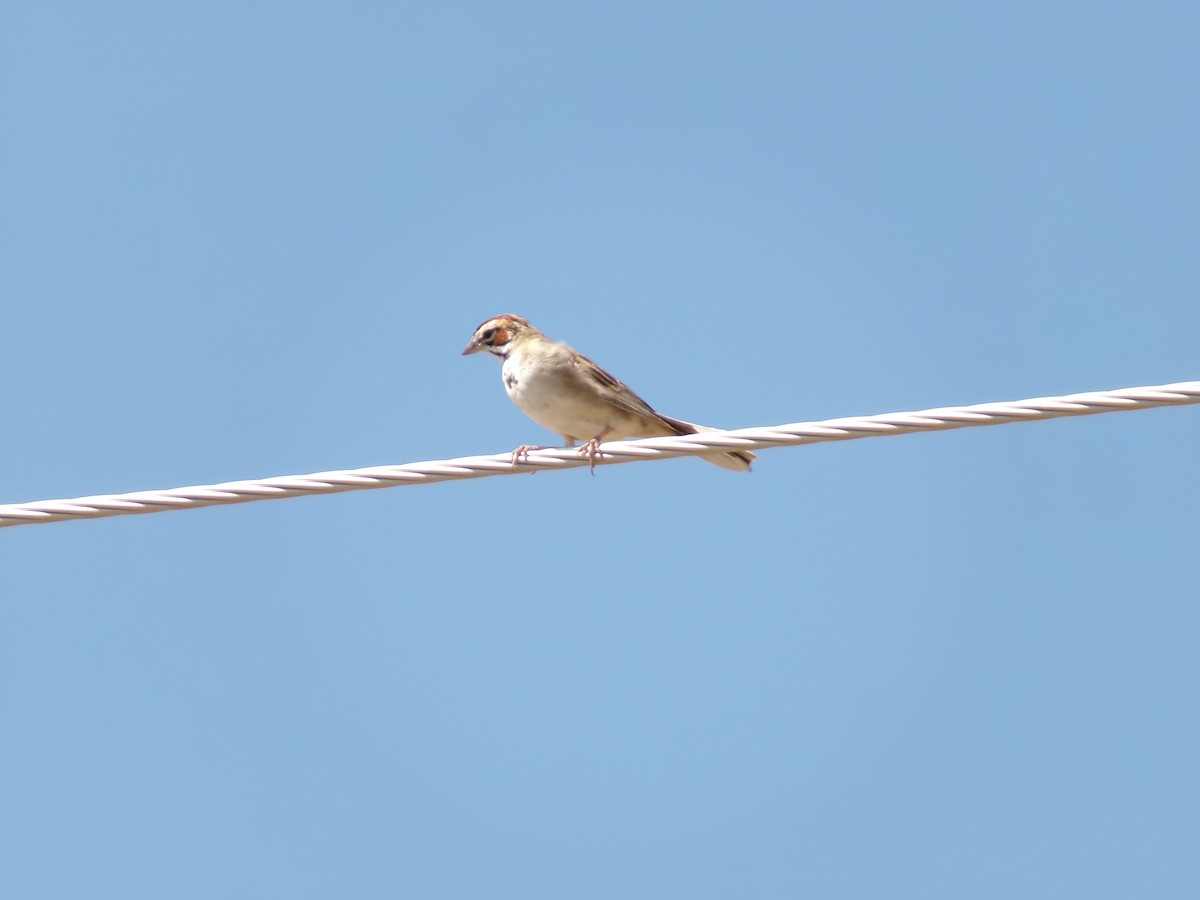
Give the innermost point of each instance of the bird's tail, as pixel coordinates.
(737, 460)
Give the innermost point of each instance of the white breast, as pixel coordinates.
(549, 393)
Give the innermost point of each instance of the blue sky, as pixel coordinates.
(243, 240)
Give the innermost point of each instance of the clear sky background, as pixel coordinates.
(250, 239)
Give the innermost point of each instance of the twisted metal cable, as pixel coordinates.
(844, 429)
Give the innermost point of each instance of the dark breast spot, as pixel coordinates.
(510, 381)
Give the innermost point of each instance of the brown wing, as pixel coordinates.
(620, 396)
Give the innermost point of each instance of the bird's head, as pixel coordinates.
(498, 334)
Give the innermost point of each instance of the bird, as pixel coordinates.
(564, 391)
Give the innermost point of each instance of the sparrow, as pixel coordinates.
(569, 394)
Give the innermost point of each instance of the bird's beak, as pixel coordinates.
(473, 347)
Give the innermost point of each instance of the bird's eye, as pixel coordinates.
(488, 335)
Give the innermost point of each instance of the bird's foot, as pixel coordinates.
(521, 454)
(591, 450)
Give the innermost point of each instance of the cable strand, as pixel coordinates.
(615, 452)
